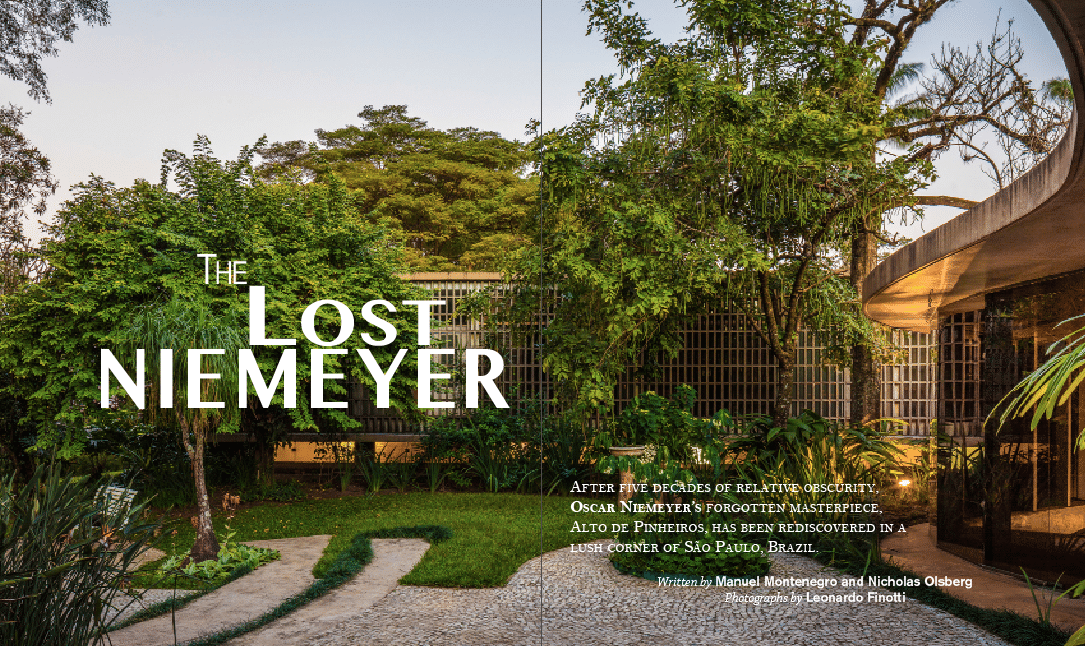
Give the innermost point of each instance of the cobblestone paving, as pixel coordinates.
(588, 602)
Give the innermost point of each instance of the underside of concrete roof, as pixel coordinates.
(1031, 230)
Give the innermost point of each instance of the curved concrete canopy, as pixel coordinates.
(1032, 229)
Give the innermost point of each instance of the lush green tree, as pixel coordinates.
(25, 181)
(457, 198)
(752, 146)
(178, 326)
(30, 30)
(726, 169)
(113, 252)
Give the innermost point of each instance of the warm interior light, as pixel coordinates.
(905, 483)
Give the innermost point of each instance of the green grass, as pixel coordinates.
(492, 534)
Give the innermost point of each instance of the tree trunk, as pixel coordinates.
(866, 388)
(785, 390)
(206, 547)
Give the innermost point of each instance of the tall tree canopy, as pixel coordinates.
(30, 29)
(725, 169)
(25, 181)
(113, 252)
(749, 162)
(124, 274)
(975, 100)
(457, 198)
(28, 32)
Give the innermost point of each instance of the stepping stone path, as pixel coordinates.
(247, 598)
(393, 559)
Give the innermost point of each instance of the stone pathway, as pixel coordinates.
(916, 551)
(232, 604)
(582, 600)
(393, 559)
(587, 603)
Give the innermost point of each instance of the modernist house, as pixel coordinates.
(994, 284)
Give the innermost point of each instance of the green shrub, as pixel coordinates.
(97, 465)
(811, 451)
(156, 463)
(231, 556)
(668, 425)
(57, 574)
(565, 455)
(498, 448)
(711, 456)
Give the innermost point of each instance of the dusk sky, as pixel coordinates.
(161, 73)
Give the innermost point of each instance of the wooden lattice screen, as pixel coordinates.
(723, 359)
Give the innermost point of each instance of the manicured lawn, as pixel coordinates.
(493, 534)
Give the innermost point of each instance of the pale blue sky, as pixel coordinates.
(233, 70)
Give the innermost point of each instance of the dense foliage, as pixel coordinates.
(457, 198)
(726, 169)
(497, 447)
(689, 497)
(30, 30)
(114, 253)
(125, 275)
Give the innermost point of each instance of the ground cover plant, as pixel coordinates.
(181, 571)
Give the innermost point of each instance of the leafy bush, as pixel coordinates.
(230, 464)
(96, 465)
(762, 442)
(63, 555)
(344, 454)
(668, 425)
(566, 455)
(812, 451)
(808, 450)
(687, 450)
(156, 463)
(400, 470)
(231, 556)
(499, 447)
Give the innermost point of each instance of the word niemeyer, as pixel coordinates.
(285, 374)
